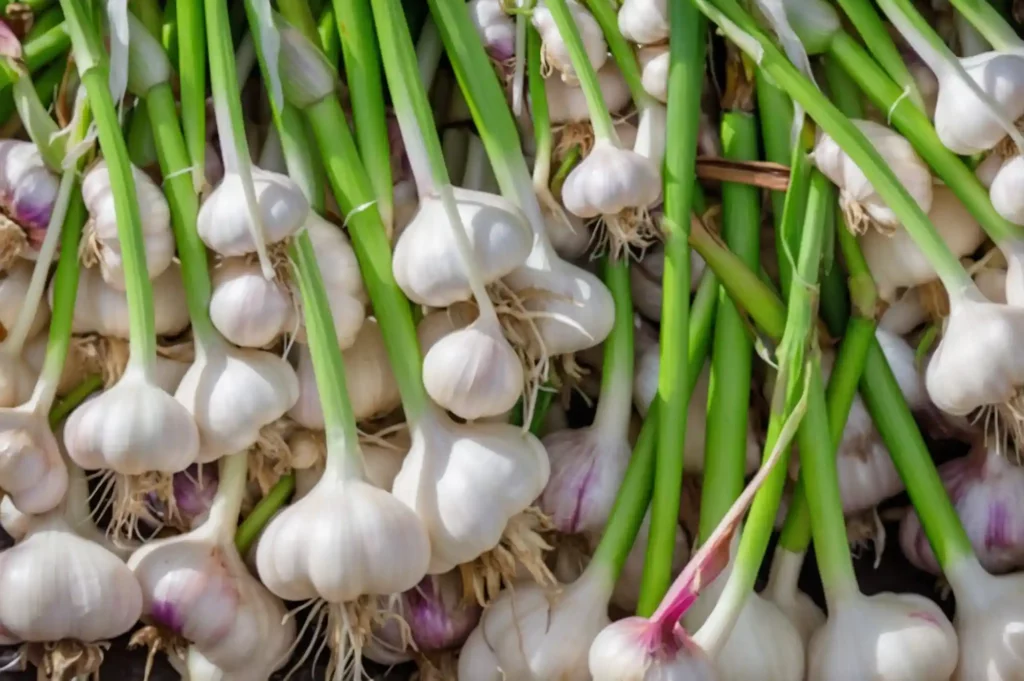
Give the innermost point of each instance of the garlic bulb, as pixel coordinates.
(60, 586)
(644, 21)
(654, 71)
(782, 590)
(988, 622)
(32, 472)
(986, 490)
(14, 281)
(101, 308)
(373, 390)
(567, 104)
(474, 372)
(610, 180)
(437, 324)
(885, 636)
(530, 634)
(554, 51)
(568, 234)
(965, 124)
(134, 427)
(28, 190)
(645, 387)
(466, 481)
(976, 364)
(1005, 191)
(496, 29)
(248, 309)
(157, 237)
(895, 260)
(232, 393)
(226, 227)
(426, 261)
(196, 586)
(859, 198)
(622, 650)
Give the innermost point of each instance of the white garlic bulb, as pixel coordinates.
(134, 427)
(466, 481)
(496, 29)
(32, 472)
(856, 191)
(904, 314)
(426, 261)
(654, 63)
(567, 104)
(14, 282)
(988, 622)
(1005, 192)
(965, 124)
(439, 323)
(248, 309)
(554, 50)
(157, 237)
(624, 650)
(610, 180)
(232, 393)
(225, 225)
(59, 586)
(568, 234)
(902, 637)
(559, 629)
(101, 308)
(644, 21)
(895, 260)
(372, 388)
(782, 590)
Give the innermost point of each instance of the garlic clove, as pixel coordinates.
(610, 180)
(232, 393)
(1005, 191)
(246, 308)
(964, 122)
(426, 261)
(102, 239)
(224, 225)
(1013, 286)
(654, 71)
(474, 372)
(28, 191)
(14, 282)
(372, 388)
(644, 21)
(555, 53)
(885, 636)
(101, 308)
(339, 542)
(465, 481)
(59, 586)
(567, 104)
(134, 427)
(382, 459)
(895, 260)
(32, 472)
(622, 651)
(496, 29)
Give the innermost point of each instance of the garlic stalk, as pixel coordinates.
(134, 426)
(588, 464)
(554, 51)
(196, 586)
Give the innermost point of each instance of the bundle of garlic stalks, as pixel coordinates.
(495, 340)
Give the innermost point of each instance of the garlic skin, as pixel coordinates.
(14, 281)
(554, 51)
(530, 634)
(988, 623)
(856, 191)
(225, 226)
(622, 652)
(497, 30)
(372, 388)
(964, 123)
(32, 471)
(59, 586)
(993, 283)
(645, 387)
(654, 63)
(644, 21)
(466, 481)
(426, 261)
(610, 180)
(895, 260)
(1005, 190)
(157, 237)
(17, 378)
(569, 236)
(28, 190)
(339, 542)
(246, 308)
(437, 324)
(904, 314)
(986, 490)
(1013, 290)
(232, 393)
(782, 590)
(101, 308)
(976, 362)
(132, 428)
(885, 636)
(474, 372)
(567, 104)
